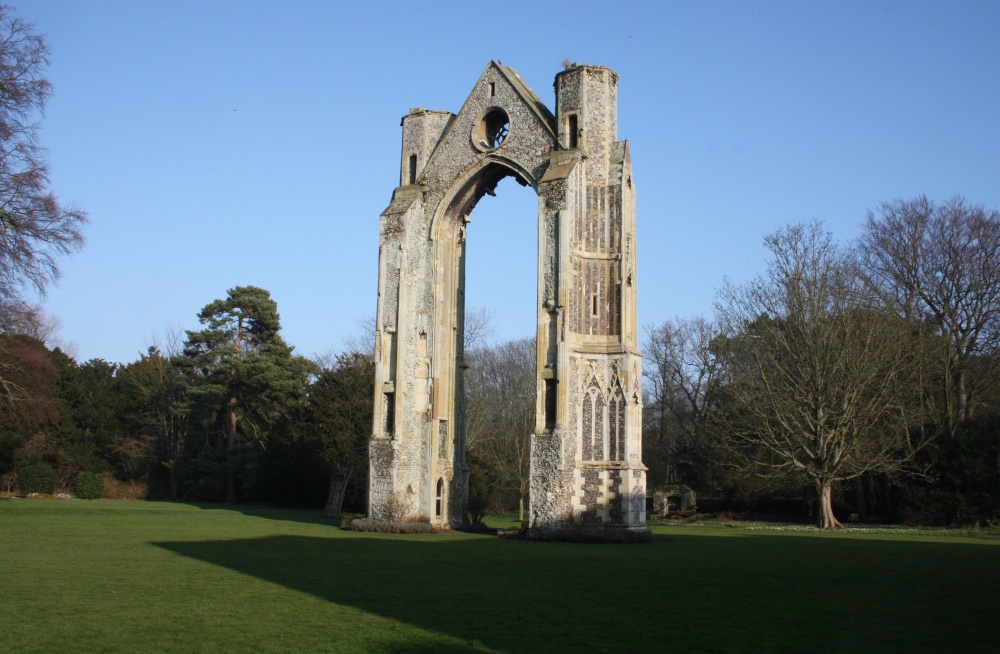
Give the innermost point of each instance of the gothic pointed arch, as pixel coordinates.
(593, 422)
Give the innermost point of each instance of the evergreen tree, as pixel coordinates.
(243, 377)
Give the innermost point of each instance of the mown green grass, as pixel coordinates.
(145, 576)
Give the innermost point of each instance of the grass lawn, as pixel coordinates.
(146, 576)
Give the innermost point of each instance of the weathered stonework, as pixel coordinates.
(586, 451)
(671, 499)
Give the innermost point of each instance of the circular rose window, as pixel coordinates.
(491, 129)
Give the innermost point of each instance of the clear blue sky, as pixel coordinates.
(217, 144)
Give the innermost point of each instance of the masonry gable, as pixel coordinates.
(526, 147)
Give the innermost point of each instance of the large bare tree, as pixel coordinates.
(939, 265)
(819, 386)
(34, 227)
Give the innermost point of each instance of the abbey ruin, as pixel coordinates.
(586, 449)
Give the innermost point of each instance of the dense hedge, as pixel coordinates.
(88, 486)
(36, 479)
(389, 526)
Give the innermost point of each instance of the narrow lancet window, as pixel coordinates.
(390, 413)
(550, 404)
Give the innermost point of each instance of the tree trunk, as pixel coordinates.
(230, 447)
(826, 519)
(520, 507)
(339, 477)
(963, 397)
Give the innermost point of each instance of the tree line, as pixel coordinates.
(862, 374)
(231, 415)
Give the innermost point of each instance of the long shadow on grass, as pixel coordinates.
(298, 515)
(697, 594)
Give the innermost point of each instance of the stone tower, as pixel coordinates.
(586, 450)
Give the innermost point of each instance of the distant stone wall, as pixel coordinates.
(670, 499)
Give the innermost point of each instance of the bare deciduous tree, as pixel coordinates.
(34, 227)
(480, 325)
(940, 265)
(169, 343)
(500, 410)
(819, 386)
(160, 417)
(19, 317)
(682, 371)
(362, 341)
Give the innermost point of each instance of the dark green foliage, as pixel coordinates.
(483, 479)
(36, 479)
(243, 383)
(294, 474)
(965, 470)
(91, 425)
(88, 486)
(336, 423)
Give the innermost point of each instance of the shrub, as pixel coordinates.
(346, 519)
(36, 479)
(397, 507)
(88, 486)
(124, 490)
(389, 526)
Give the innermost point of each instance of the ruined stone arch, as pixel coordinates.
(479, 180)
(586, 316)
